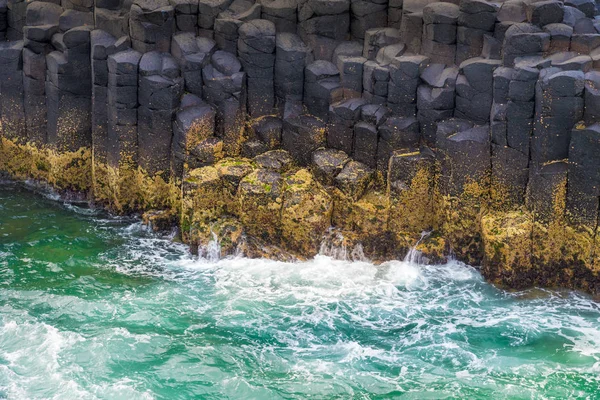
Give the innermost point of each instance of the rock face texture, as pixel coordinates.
(293, 121)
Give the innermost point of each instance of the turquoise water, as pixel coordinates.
(94, 307)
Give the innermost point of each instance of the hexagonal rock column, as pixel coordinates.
(151, 24)
(511, 128)
(545, 12)
(592, 97)
(560, 37)
(16, 10)
(193, 53)
(3, 19)
(349, 61)
(366, 134)
(559, 106)
(11, 91)
(69, 92)
(378, 38)
(435, 99)
(513, 109)
(583, 190)
(524, 39)
(544, 180)
(474, 89)
(42, 22)
(186, 15)
(411, 30)
(229, 21)
(302, 135)
(193, 130)
(396, 133)
(394, 13)
(256, 50)
(376, 78)
(122, 107)
(323, 24)
(260, 197)
(305, 214)
(290, 58)
(464, 153)
(405, 72)
(342, 117)
(283, 13)
(224, 88)
(208, 10)
(103, 45)
(367, 14)
(159, 92)
(321, 81)
(476, 19)
(77, 13)
(439, 32)
(112, 16)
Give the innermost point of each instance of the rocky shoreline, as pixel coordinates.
(278, 126)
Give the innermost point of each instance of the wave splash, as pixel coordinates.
(125, 313)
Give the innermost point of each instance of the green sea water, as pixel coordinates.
(96, 307)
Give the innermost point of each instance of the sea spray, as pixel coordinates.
(118, 311)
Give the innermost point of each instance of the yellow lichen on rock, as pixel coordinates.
(205, 199)
(260, 197)
(412, 208)
(68, 170)
(507, 244)
(129, 188)
(460, 220)
(306, 213)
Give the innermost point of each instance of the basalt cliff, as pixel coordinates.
(287, 127)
